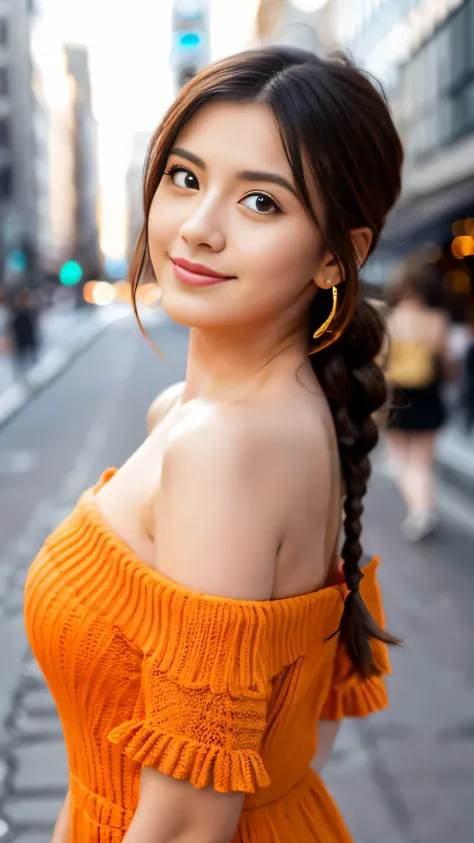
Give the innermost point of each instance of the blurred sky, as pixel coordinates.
(129, 47)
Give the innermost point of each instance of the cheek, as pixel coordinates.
(286, 250)
(161, 228)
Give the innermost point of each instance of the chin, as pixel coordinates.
(193, 310)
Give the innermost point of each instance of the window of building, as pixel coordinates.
(3, 32)
(4, 133)
(6, 182)
(3, 81)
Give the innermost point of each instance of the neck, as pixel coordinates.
(226, 363)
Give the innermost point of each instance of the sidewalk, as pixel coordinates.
(65, 334)
(455, 458)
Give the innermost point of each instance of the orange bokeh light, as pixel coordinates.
(462, 246)
(88, 291)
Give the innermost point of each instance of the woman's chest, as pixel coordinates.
(127, 500)
(86, 660)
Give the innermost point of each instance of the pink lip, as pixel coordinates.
(196, 274)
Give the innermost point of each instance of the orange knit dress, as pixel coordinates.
(146, 672)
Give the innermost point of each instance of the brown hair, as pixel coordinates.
(418, 278)
(332, 114)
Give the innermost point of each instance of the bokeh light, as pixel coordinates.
(148, 294)
(123, 292)
(457, 228)
(88, 291)
(457, 281)
(462, 246)
(103, 293)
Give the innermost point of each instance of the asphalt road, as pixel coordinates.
(403, 776)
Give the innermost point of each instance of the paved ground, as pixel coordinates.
(403, 776)
(64, 333)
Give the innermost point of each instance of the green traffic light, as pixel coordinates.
(189, 40)
(70, 273)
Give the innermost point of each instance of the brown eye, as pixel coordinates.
(183, 178)
(261, 203)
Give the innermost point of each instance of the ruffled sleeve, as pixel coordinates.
(349, 694)
(202, 706)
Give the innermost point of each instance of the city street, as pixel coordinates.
(404, 776)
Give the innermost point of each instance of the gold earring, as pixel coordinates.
(323, 328)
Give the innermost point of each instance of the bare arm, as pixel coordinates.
(171, 811)
(61, 829)
(212, 483)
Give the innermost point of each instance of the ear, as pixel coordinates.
(329, 273)
(362, 241)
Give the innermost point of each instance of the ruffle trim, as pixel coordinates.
(356, 700)
(183, 758)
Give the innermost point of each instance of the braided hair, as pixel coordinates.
(355, 388)
(338, 135)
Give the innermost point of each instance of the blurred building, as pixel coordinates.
(54, 128)
(423, 53)
(86, 247)
(48, 176)
(134, 188)
(18, 220)
(190, 48)
(301, 23)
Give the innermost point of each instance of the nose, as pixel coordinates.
(203, 227)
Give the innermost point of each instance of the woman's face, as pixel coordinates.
(228, 202)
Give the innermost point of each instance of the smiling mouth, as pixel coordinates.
(196, 274)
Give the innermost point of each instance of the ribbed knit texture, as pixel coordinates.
(217, 691)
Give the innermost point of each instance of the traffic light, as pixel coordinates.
(70, 273)
(190, 39)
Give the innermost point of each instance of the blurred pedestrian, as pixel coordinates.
(193, 617)
(23, 331)
(418, 364)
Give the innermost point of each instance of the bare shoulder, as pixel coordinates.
(219, 514)
(229, 478)
(163, 403)
(258, 442)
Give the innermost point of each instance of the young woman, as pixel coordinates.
(418, 361)
(190, 615)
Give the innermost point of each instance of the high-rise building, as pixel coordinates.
(423, 53)
(190, 50)
(86, 250)
(134, 188)
(18, 220)
(53, 95)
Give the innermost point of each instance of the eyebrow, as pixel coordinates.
(247, 175)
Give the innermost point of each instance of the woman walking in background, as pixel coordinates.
(418, 361)
(191, 615)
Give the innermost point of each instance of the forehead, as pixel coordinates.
(242, 135)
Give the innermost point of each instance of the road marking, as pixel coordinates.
(12, 399)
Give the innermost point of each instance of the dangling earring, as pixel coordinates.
(323, 328)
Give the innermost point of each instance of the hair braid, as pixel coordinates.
(355, 387)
